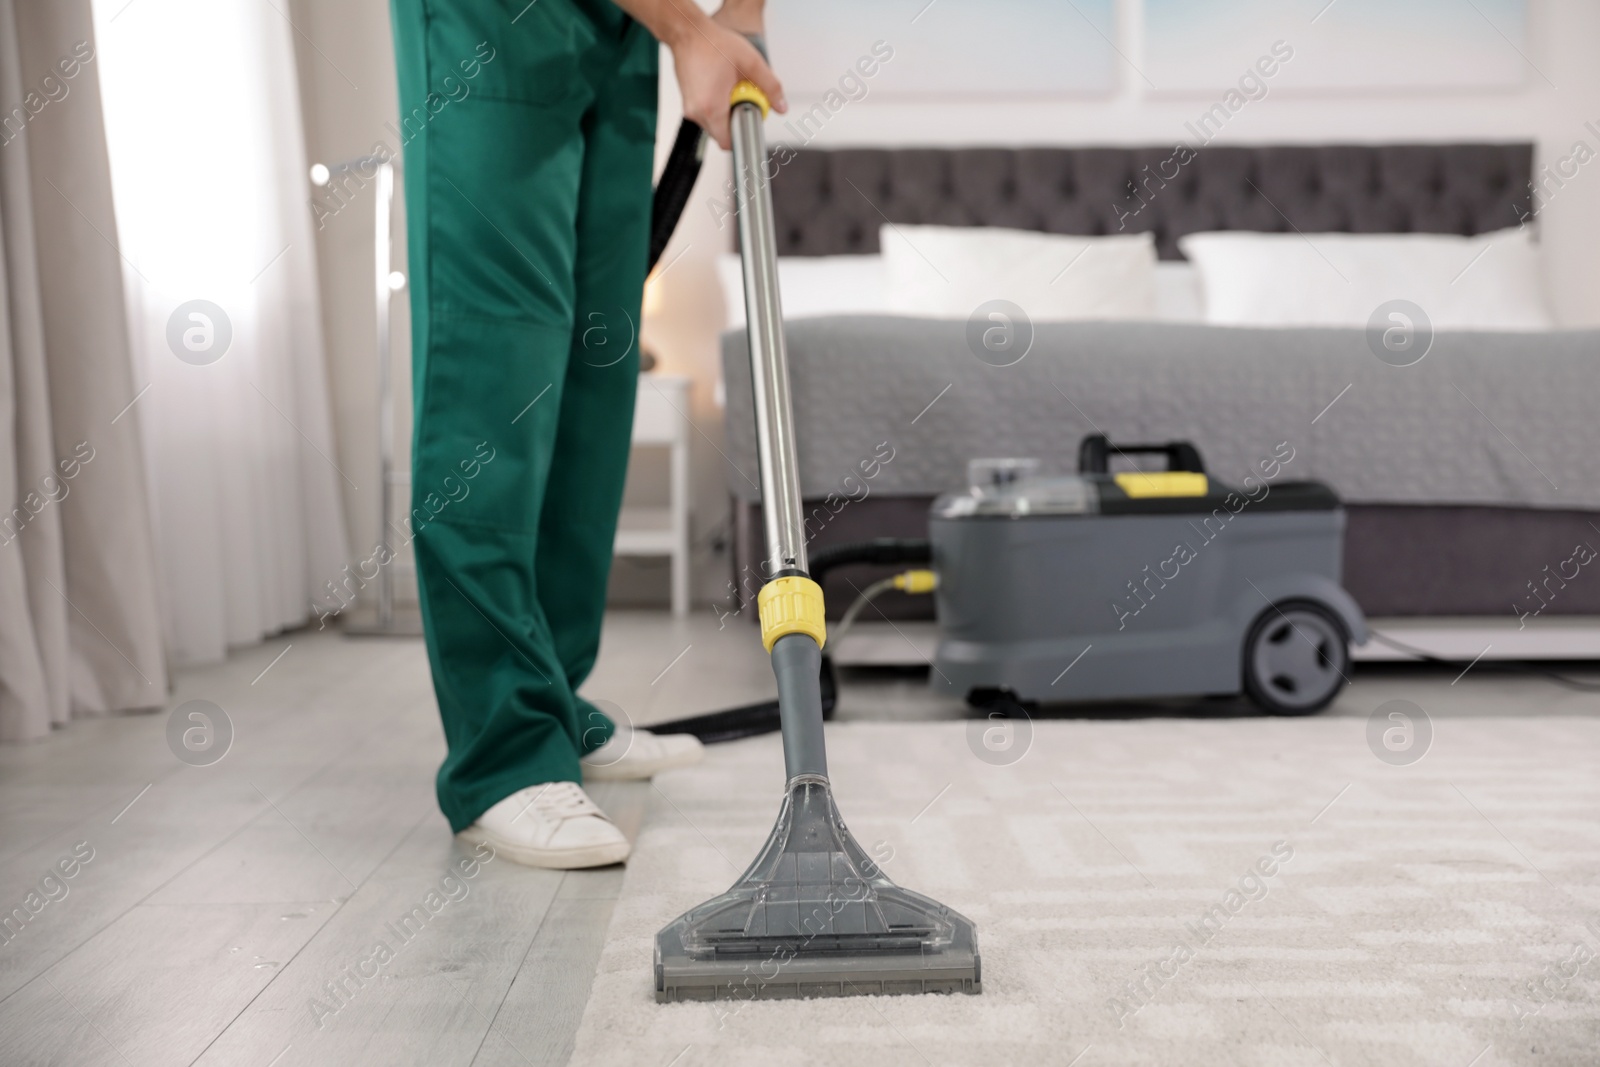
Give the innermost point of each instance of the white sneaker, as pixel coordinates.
(552, 825)
(635, 754)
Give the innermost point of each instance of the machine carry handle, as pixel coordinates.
(1094, 454)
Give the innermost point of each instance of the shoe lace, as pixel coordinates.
(560, 800)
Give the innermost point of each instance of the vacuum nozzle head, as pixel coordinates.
(815, 916)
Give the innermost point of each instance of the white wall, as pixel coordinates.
(1561, 43)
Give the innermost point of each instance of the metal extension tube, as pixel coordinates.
(769, 363)
(795, 658)
(814, 915)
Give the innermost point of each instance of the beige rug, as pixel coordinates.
(1446, 912)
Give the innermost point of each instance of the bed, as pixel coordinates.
(1466, 475)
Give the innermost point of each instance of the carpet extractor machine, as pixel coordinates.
(814, 915)
(1139, 584)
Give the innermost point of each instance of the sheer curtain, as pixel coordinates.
(209, 174)
(80, 624)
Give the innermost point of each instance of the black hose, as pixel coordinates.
(672, 191)
(679, 175)
(752, 720)
(749, 720)
(880, 550)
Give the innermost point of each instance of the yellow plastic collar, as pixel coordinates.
(747, 92)
(1162, 483)
(791, 605)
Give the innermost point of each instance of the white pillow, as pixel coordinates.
(1488, 282)
(949, 271)
(810, 285)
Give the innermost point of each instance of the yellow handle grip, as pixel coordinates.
(747, 92)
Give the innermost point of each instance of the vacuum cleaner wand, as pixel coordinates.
(814, 915)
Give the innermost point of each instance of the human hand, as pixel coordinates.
(711, 56)
(745, 17)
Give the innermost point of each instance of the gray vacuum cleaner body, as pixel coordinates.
(1069, 588)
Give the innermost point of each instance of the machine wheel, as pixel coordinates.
(1296, 656)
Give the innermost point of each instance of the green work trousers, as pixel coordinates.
(529, 136)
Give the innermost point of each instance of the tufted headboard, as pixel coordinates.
(831, 202)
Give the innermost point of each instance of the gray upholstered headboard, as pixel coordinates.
(831, 202)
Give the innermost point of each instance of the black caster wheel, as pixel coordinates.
(1296, 656)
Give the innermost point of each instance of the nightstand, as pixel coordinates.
(661, 420)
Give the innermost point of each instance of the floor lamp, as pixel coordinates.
(348, 179)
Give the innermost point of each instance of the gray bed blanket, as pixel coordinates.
(1483, 418)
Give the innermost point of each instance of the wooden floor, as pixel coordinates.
(219, 902)
(232, 913)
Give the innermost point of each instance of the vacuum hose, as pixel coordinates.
(889, 551)
(678, 178)
(751, 720)
(672, 191)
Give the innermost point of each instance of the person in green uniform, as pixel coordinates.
(531, 137)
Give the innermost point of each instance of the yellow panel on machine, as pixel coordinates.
(791, 605)
(1161, 483)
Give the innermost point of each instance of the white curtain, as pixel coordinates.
(209, 174)
(80, 630)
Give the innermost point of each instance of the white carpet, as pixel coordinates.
(1418, 905)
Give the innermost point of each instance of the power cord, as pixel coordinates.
(1503, 666)
(916, 581)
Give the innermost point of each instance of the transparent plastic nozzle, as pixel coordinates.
(814, 916)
